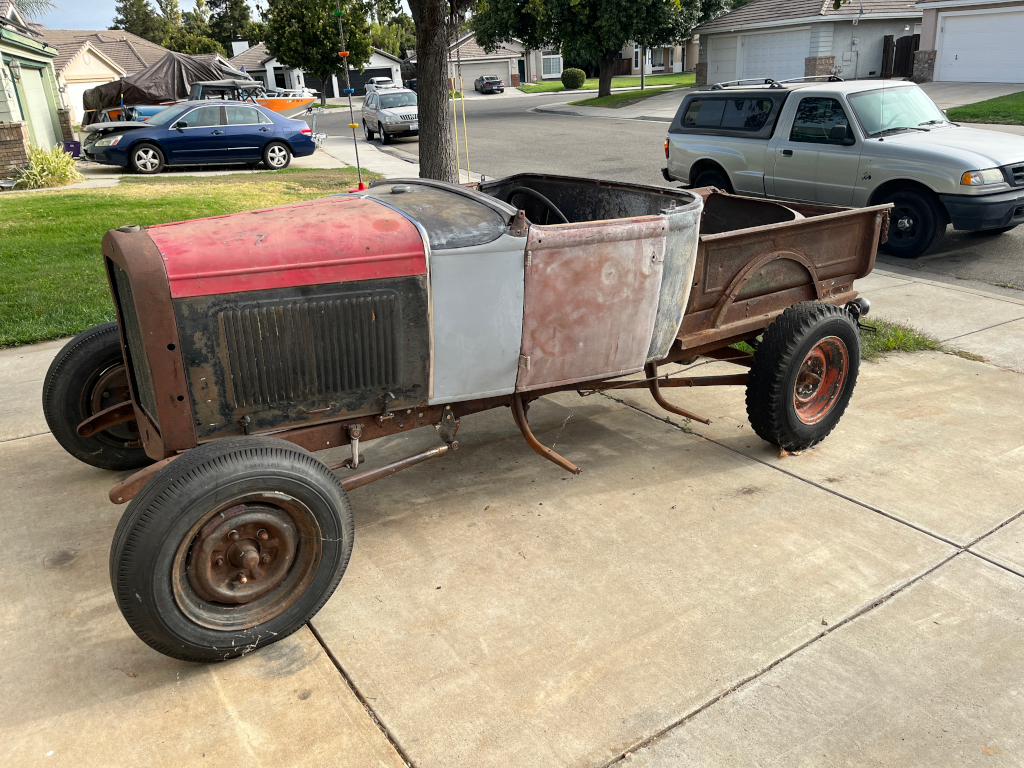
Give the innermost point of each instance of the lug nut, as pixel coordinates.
(219, 561)
(233, 535)
(242, 578)
(262, 534)
(266, 559)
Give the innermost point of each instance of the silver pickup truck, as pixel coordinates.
(854, 144)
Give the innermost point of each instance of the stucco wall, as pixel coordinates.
(864, 59)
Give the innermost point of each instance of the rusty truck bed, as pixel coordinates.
(755, 258)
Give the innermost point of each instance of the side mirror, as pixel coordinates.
(841, 134)
(179, 125)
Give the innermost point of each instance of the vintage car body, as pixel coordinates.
(245, 341)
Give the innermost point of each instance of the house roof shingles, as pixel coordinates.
(764, 11)
(130, 52)
(252, 58)
(468, 48)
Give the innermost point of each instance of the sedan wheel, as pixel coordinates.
(147, 159)
(276, 156)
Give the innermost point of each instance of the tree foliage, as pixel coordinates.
(227, 19)
(582, 29)
(140, 18)
(34, 9)
(396, 36)
(303, 34)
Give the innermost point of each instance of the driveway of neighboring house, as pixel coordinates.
(949, 95)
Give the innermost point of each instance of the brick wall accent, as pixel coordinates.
(13, 147)
(924, 66)
(818, 65)
(515, 80)
(65, 124)
(702, 73)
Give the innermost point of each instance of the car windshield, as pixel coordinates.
(392, 100)
(166, 115)
(894, 109)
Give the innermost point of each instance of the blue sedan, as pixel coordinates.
(200, 133)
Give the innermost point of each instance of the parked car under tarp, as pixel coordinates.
(165, 82)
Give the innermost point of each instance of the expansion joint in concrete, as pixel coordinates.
(362, 699)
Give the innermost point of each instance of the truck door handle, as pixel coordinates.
(787, 153)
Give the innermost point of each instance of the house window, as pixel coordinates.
(671, 57)
(636, 57)
(551, 64)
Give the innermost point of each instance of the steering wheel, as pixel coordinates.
(551, 207)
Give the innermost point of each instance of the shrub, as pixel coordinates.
(48, 168)
(573, 79)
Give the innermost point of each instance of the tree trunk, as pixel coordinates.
(605, 70)
(437, 145)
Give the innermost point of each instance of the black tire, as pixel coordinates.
(229, 496)
(147, 159)
(86, 377)
(277, 156)
(784, 405)
(367, 133)
(915, 222)
(384, 138)
(713, 178)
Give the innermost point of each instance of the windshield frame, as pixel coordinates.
(852, 99)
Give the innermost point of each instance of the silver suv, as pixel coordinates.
(851, 144)
(390, 113)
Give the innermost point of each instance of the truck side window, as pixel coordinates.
(736, 114)
(815, 117)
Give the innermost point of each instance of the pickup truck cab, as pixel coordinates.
(855, 144)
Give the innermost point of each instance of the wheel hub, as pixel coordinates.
(905, 223)
(820, 379)
(110, 389)
(242, 553)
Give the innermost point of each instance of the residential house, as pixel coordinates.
(973, 41)
(261, 65)
(784, 39)
(661, 60)
(30, 102)
(466, 57)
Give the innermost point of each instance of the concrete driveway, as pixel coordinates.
(691, 599)
(949, 95)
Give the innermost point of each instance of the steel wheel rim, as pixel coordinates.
(277, 156)
(904, 225)
(246, 561)
(109, 389)
(820, 379)
(147, 159)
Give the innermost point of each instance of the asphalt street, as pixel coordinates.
(508, 135)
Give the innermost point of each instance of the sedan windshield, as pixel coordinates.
(392, 100)
(894, 109)
(166, 115)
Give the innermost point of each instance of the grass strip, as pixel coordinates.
(52, 282)
(622, 99)
(682, 79)
(1006, 110)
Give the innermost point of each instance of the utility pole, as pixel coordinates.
(348, 92)
(643, 65)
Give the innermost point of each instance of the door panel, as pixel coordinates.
(591, 299)
(243, 138)
(200, 140)
(809, 165)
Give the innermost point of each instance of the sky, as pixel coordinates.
(93, 14)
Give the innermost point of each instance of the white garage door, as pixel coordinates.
(981, 48)
(778, 55)
(38, 110)
(470, 72)
(74, 94)
(722, 59)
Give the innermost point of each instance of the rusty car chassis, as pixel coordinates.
(612, 280)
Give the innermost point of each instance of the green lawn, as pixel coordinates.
(1008, 110)
(51, 274)
(626, 81)
(620, 99)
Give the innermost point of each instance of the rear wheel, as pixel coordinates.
(915, 222)
(276, 156)
(803, 375)
(231, 547)
(713, 178)
(86, 377)
(146, 159)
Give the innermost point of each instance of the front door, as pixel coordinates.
(199, 138)
(811, 166)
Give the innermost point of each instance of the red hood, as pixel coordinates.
(334, 240)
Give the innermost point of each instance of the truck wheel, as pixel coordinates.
(713, 178)
(915, 222)
(231, 547)
(86, 377)
(803, 375)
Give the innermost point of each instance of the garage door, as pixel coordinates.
(359, 80)
(470, 72)
(38, 110)
(778, 55)
(722, 59)
(981, 48)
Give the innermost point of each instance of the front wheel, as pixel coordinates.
(915, 222)
(803, 375)
(367, 133)
(146, 159)
(86, 377)
(384, 138)
(231, 547)
(276, 156)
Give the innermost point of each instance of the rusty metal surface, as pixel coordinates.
(363, 478)
(652, 374)
(591, 299)
(127, 489)
(519, 415)
(138, 256)
(116, 414)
